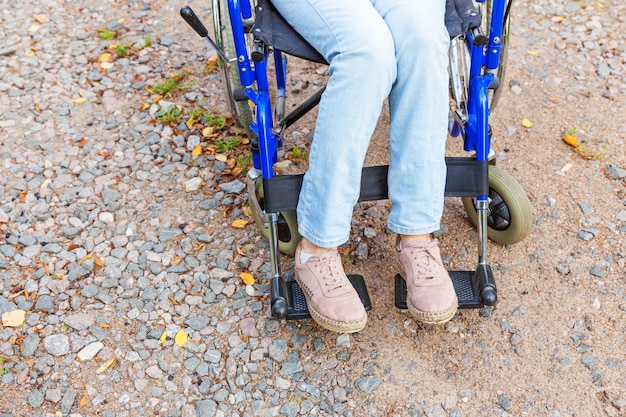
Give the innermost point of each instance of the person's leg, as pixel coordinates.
(358, 46)
(418, 129)
(354, 39)
(419, 108)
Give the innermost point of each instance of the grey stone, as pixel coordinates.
(57, 344)
(35, 398)
(168, 233)
(45, 303)
(197, 323)
(206, 408)
(233, 187)
(291, 409)
(367, 383)
(80, 321)
(68, 401)
(30, 344)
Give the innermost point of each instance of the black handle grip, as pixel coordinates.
(192, 20)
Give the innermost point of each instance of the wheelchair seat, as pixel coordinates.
(271, 28)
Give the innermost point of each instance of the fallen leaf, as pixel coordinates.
(221, 157)
(240, 252)
(106, 65)
(80, 100)
(104, 57)
(531, 52)
(197, 150)
(13, 318)
(17, 294)
(571, 141)
(175, 261)
(239, 224)
(39, 18)
(83, 401)
(526, 123)
(247, 278)
(98, 261)
(181, 338)
(144, 106)
(34, 28)
(88, 256)
(566, 167)
(208, 131)
(190, 123)
(163, 338)
(199, 247)
(108, 364)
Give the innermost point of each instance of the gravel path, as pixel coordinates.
(121, 256)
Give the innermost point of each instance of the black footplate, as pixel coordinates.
(297, 308)
(470, 286)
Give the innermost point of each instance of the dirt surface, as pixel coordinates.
(553, 346)
(554, 343)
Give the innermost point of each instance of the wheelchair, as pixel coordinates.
(251, 36)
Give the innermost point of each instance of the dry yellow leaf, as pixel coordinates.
(199, 247)
(89, 256)
(157, 98)
(39, 18)
(108, 364)
(104, 57)
(247, 278)
(526, 123)
(17, 294)
(221, 157)
(163, 338)
(181, 338)
(145, 106)
(83, 401)
(175, 261)
(208, 131)
(571, 140)
(80, 100)
(13, 318)
(197, 150)
(240, 252)
(239, 224)
(106, 65)
(98, 261)
(531, 52)
(190, 123)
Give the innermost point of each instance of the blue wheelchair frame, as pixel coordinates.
(472, 124)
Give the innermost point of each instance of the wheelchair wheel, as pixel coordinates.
(288, 236)
(460, 59)
(510, 212)
(241, 110)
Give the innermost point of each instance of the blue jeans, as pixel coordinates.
(377, 49)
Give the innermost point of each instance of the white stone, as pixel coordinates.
(90, 351)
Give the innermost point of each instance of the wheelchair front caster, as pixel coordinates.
(288, 236)
(510, 211)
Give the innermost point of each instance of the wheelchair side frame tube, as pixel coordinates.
(236, 15)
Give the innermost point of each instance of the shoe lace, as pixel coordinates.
(424, 262)
(331, 273)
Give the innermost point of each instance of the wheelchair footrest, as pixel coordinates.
(298, 308)
(463, 285)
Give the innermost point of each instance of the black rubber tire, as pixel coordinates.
(288, 236)
(510, 212)
(241, 110)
